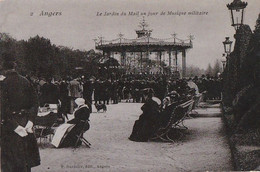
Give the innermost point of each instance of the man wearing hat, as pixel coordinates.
(87, 92)
(19, 105)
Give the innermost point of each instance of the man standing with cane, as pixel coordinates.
(19, 105)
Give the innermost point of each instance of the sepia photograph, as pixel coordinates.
(129, 85)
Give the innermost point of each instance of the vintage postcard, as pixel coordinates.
(129, 85)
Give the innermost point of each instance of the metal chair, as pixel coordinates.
(80, 135)
(44, 132)
(178, 115)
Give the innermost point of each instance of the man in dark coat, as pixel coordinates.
(19, 148)
(114, 92)
(49, 93)
(106, 91)
(97, 92)
(87, 93)
(64, 98)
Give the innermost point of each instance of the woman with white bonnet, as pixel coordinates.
(81, 118)
(81, 112)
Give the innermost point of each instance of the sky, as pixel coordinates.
(76, 23)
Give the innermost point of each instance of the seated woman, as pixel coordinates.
(147, 124)
(166, 111)
(169, 104)
(73, 127)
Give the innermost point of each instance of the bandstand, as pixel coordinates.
(146, 54)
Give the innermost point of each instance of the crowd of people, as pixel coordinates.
(75, 96)
(128, 88)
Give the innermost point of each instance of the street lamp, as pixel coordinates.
(227, 45)
(237, 12)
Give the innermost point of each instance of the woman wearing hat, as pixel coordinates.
(19, 150)
(80, 121)
(147, 124)
(169, 104)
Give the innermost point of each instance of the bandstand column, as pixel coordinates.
(148, 57)
(123, 58)
(160, 54)
(170, 60)
(183, 63)
(176, 60)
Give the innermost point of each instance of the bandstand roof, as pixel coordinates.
(143, 44)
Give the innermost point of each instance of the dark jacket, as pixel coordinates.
(18, 95)
(88, 90)
(147, 124)
(49, 94)
(81, 121)
(81, 115)
(166, 114)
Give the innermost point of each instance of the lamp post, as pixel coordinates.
(237, 13)
(224, 61)
(227, 49)
(227, 45)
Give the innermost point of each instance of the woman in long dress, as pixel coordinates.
(73, 127)
(147, 124)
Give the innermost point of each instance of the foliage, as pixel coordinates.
(7, 45)
(39, 57)
(216, 68)
(241, 78)
(192, 71)
(215, 71)
(209, 70)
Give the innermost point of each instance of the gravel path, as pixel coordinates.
(203, 148)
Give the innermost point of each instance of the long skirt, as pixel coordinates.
(67, 135)
(19, 153)
(142, 131)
